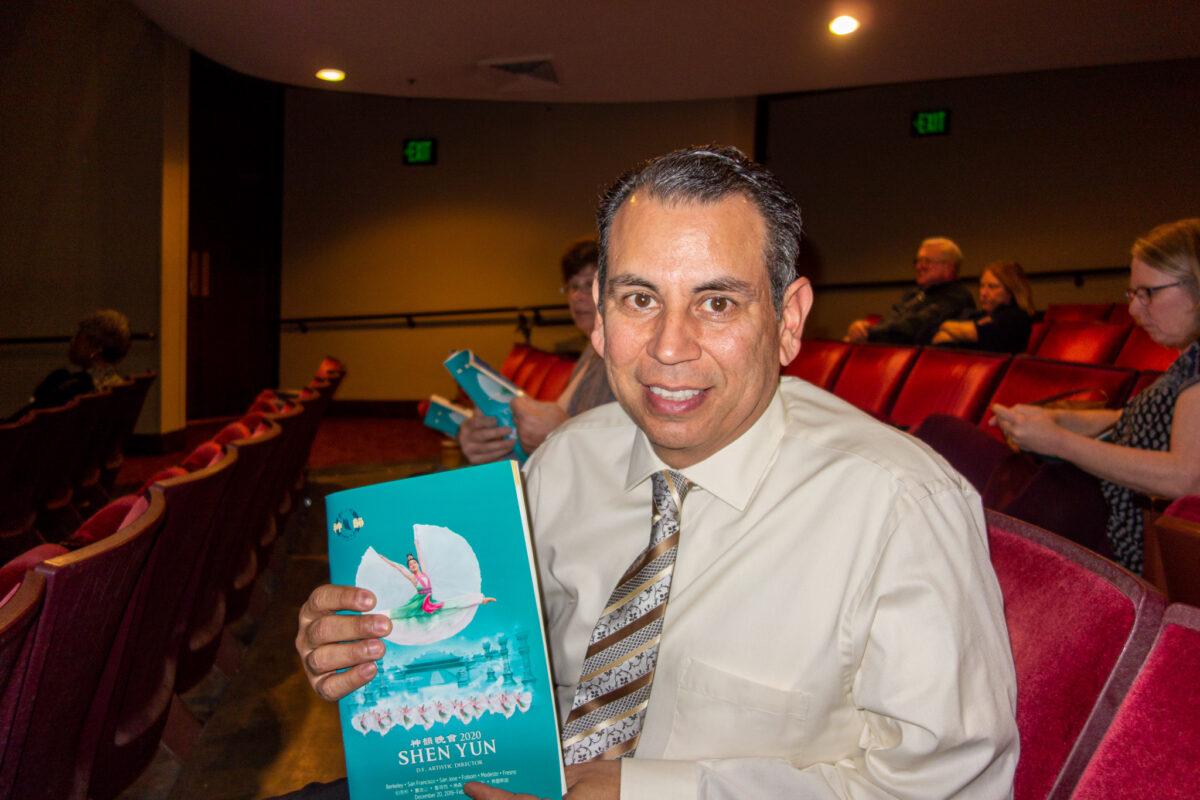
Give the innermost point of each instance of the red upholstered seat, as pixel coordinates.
(59, 433)
(19, 608)
(514, 359)
(556, 379)
(533, 370)
(954, 382)
(1143, 380)
(1119, 314)
(128, 410)
(1032, 380)
(232, 432)
(1143, 353)
(872, 376)
(1080, 626)
(14, 571)
(87, 594)
(1078, 312)
(1185, 508)
(819, 362)
(1152, 749)
(1083, 342)
(17, 511)
(130, 708)
(1036, 334)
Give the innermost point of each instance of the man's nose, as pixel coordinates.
(676, 338)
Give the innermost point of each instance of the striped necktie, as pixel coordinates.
(618, 669)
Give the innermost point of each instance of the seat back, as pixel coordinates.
(1033, 380)
(1078, 312)
(130, 708)
(514, 359)
(58, 431)
(1143, 380)
(556, 379)
(1152, 748)
(87, 593)
(17, 510)
(131, 404)
(233, 539)
(1140, 352)
(1037, 332)
(1080, 627)
(18, 614)
(954, 382)
(872, 376)
(1083, 342)
(1178, 540)
(532, 373)
(819, 362)
(1120, 314)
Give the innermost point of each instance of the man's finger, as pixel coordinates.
(334, 628)
(333, 657)
(330, 598)
(337, 685)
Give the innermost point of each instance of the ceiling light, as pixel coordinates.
(335, 75)
(843, 25)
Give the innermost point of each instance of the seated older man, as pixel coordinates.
(937, 297)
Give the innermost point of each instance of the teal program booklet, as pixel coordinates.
(490, 391)
(463, 692)
(445, 416)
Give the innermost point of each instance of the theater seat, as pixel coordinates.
(1078, 312)
(12, 573)
(1177, 534)
(1143, 380)
(953, 382)
(819, 362)
(1083, 342)
(1033, 380)
(1080, 627)
(1140, 352)
(514, 359)
(1036, 333)
(556, 379)
(872, 376)
(19, 608)
(87, 593)
(1152, 749)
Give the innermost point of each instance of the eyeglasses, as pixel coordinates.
(577, 286)
(1146, 293)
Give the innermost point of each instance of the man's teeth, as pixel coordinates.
(679, 394)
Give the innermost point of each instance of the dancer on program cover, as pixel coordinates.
(445, 575)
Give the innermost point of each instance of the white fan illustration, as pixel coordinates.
(431, 599)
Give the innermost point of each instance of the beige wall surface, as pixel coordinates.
(1057, 170)
(82, 126)
(514, 183)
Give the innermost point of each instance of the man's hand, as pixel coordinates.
(535, 420)
(857, 332)
(595, 780)
(1031, 428)
(482, 440)
(328, 641)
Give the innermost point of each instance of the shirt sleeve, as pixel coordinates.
(917, 322)
(934, 683)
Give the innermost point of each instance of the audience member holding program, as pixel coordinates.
(482, 440)
(937, 297)
(833, 628)
(1004, 319)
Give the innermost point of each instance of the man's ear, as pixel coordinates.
(797, 302)
(598, 325)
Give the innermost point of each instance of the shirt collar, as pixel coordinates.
(732, 473)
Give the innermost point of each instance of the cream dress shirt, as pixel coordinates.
(835, 629)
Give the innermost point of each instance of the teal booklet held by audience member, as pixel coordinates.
(445, 416)
(488, 389)
(463, 691)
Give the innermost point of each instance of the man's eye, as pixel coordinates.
(717, 305)
(641, 300)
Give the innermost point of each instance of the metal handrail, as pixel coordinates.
(523, 318)
(64, 339)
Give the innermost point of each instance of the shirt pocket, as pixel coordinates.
(721, 715)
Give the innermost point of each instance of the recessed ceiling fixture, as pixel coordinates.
(334, 75)
(843, 25)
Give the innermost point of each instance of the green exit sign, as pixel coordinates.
(420, 152)
(931, 123)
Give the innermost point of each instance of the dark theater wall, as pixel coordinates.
(1057, 169)
(514, 183)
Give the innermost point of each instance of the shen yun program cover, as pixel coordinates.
(463, 691)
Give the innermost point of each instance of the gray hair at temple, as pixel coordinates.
(708, 175)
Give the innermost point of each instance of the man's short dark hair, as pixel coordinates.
(708, 175)
(579, 256)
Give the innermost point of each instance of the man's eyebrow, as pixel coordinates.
(727, 284)
(618, 281)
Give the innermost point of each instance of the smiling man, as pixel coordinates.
(808, 608)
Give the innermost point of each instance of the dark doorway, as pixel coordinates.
(234, 235)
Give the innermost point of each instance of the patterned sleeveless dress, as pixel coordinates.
(1145, 423)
